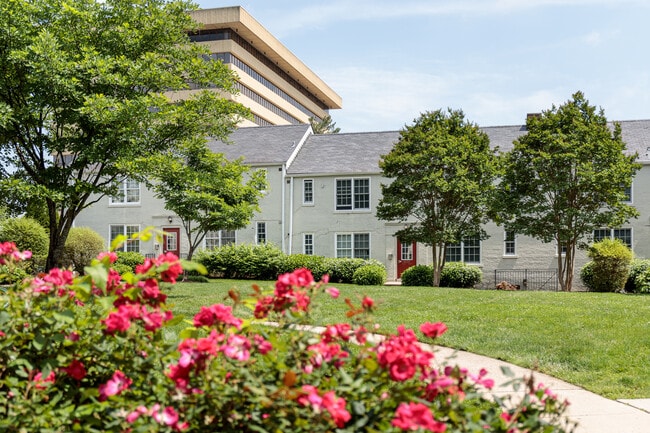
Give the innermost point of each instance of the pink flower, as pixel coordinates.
(118, 321)
(2, 334)
(299, 278)
(329, 401)
(263, 346)
(217, 313)
(76, 370)
(433, 330)
(367, 303)
(333, 292)
(402, 355)
(168, 416)
(133, 416)
(59, 277)
(335, 332)
(415, 416)
(115, 385)
(43, 383)
(168, 263)
(112, 257)
(336, 407)
(481, 380)
(238, 347)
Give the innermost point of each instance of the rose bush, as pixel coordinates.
(90, 353)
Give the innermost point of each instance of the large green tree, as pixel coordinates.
(83, 88)
(205, 190)
(443, 171)
(565, 178)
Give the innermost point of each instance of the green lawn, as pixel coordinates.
(595, 340)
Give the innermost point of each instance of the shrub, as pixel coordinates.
(341, 270)
(642, 282)
(458, 274)
(587, 276)
(418, 275)
(316, 264)
(13, 274)
(370, 275)
(29, 235)
(611, 267)
(128, 260)
(638, 267)
(243, 261)
(99, 360)
(83, 245)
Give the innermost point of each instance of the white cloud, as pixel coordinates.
(321, 14)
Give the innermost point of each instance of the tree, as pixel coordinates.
(206, 191)
(325, 126)
(565, 178)
(442, 170)
(83, 88)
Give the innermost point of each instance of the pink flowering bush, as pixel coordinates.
(92, 353)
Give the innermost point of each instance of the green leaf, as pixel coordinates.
(65, 316)
(98, 274)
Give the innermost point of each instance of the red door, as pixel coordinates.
(405, 256)
(171, 241)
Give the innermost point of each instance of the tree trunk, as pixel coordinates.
(59, 230)
(438, 262)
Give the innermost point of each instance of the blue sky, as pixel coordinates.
(495, 59)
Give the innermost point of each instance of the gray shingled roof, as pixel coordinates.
(351, 153)
(261, 144)
(343, 153)
(636, 135)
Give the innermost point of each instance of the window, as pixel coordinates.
(308, 191)
(260, 235)
(216, 239)
(467, 251)
(353, 245)
(406, 251)
(126, 230)
(128, 192)
(308, 244)
(624, 235)
(509, 243)
(627, 191)
(353, 194)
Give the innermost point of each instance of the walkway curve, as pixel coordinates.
(592, 412)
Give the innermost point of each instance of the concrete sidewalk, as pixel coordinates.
(593, 413)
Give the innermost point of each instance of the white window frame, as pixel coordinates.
(127, 230)
(612, 235)
(308, 244)
(305, 200)
(509, 243)
(123, 191)
(259, 232)
(353, 247)
(463, 247)
(353, 194)
(217, 238)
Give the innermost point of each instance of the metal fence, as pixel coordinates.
(528, 279)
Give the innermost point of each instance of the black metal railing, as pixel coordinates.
(528, 279)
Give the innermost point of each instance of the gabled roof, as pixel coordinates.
(272, 145)
(351, 153)
(635, 133)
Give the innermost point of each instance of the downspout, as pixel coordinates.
(283, 210)
(290, 214)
